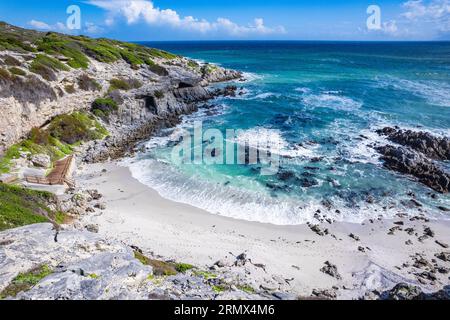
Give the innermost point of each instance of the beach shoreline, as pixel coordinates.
(368, 256)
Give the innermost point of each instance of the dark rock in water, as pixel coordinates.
(409, 162)
(311, 168)
(443, 209)
(433, 147)
(285, 175)
(278, 187)
(327, 203)
(331, 270)
(308, 182)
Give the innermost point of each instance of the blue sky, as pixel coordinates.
(153, 20)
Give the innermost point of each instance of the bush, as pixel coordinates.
(86, 83)
(17, 71)
(50, 62)
(39, 136)
(119, 84)
(46, 66)
(158, 94)
(70, 88)
(76, 127)
(54, 44)
(5, 75)
(20, 207)
(156, 68)
(11, 61)
(103, 107)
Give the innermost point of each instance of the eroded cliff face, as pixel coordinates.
(159, 97)
(41, 78)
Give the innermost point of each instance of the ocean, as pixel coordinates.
(322, 102)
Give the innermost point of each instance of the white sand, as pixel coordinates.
(138, 215)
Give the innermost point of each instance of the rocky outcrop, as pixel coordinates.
(404, 291)
(48, 84)
(81, 265)
(437, 148)
(406, 161)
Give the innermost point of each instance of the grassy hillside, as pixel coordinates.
(75, 49)
(20, 207)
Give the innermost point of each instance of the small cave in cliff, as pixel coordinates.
(151, 105)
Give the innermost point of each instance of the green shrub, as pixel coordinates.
(20, 206)
(119, 84)
(17, 71)
(25, 281)
(103, 107)
(11, 61)
(70, 88)
(87, 83)
(160, 268)
(39, 136)
(50, 62)
(183, 267)
(46, 66)
(131, 58)
(5, 75)
(54, 44)
(156, 68)
(158, 94)
(75, 128)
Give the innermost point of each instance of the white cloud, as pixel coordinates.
(89, 27)
(435, 13)
(143, 10)
(390, 27)
(39, 25)
(92, 28)
(436, 9)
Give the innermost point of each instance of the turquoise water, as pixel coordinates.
(322, 102)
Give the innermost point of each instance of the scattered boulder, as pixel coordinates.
(324, 294)
(403, 291)
(92, 228)
(444, 256)
(354, 237)
(41, 160)
(442, 244)
(331, 270)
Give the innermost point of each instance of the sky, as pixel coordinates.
(161, 20)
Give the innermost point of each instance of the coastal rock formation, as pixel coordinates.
(404, 291)
(80, 265)
(437, 148)
(150, 88)
(406, 161)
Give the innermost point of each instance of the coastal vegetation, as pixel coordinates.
(26, 281)
(59, 52)
(103, 107)
(57, 140)
(20, 207)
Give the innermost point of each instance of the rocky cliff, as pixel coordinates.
(136, 88)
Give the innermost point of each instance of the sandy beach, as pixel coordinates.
(368, 256)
